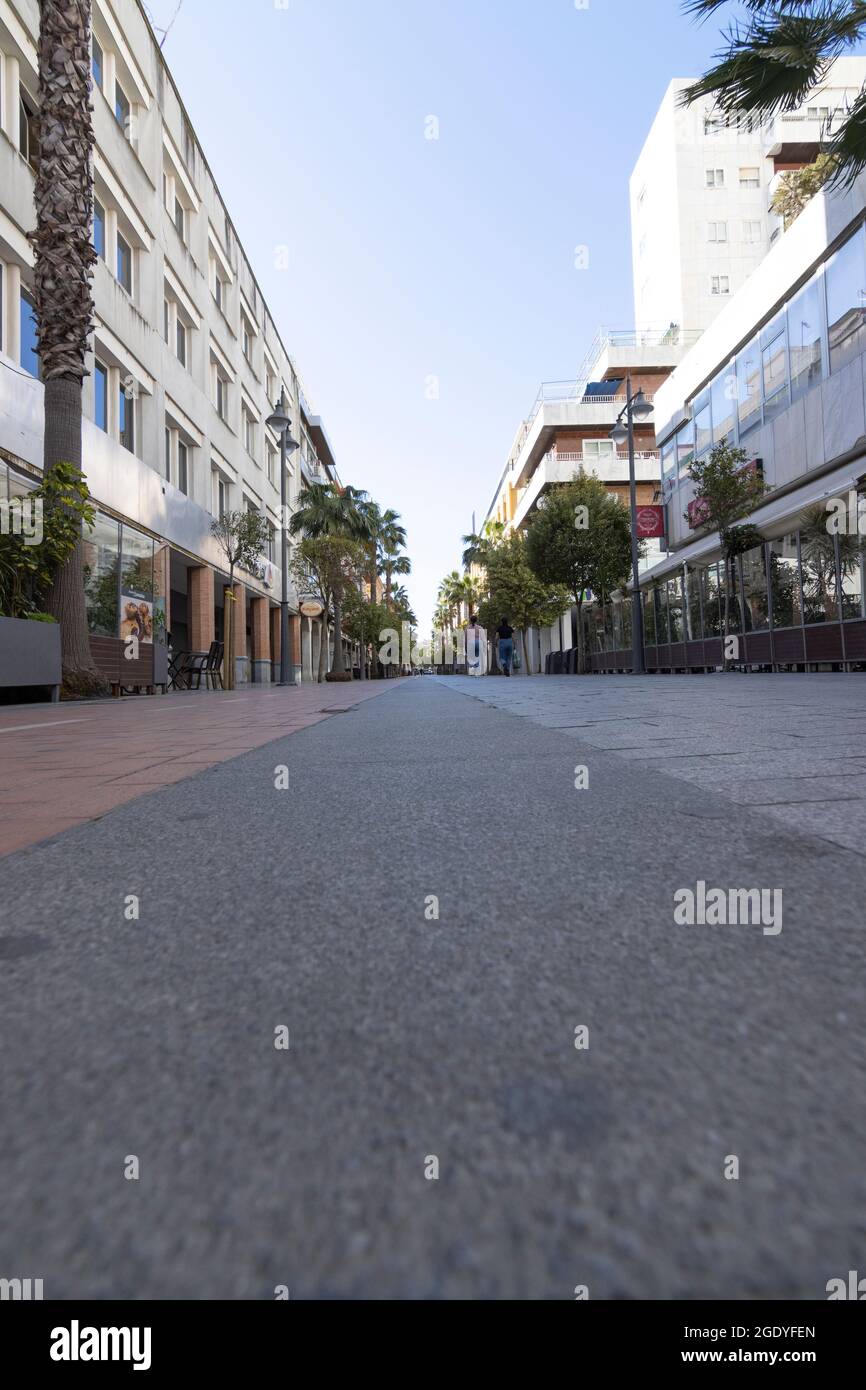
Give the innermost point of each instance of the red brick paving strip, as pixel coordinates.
(63, 765)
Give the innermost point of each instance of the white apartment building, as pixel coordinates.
(701, 195)
(186, 361)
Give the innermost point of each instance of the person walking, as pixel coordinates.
(505, 633)
(476, 648)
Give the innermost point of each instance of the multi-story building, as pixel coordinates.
(186, 360)
(781, 374)
(567, 431)
(701, 195)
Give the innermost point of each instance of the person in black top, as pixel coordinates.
(505, 633)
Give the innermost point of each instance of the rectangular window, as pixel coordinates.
(785, 582)
(599, 449)
(222, 498)
(818, 564)
(693, 606)
(757, 613)
(29, 355)
(750, 178)
(720, 284)
(249, 434)
(100, 545)
(715, 178)
(724, 395)
(272, 463)
(122, 109)
(221, 396)
(188, 146)
(669, 464)
(180, 219)
(99, 228)
(168, 453)
(181, 343)
(717, 231)
(247, 339)
(182, 468)
(675, 609)
(218, 292)
(846, 302)
(126, 420)
(96, 64)
(685, 447)
(774, 362)
(749, 386)
(124, 263)
(709, 580)
(28, 129)
(703, 428)
(751, 232)
(804, 335)
(649, 618)
(100, 395)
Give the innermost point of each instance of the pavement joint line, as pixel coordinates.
(19, 728)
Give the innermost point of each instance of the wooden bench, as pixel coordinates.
(109, 654)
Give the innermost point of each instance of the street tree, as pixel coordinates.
(64, 258)
(242, 537)
(581, 541)
(516, 592)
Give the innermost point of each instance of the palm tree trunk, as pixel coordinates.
(64, 259)
(338, 667)
(323, 647)
(581, 655)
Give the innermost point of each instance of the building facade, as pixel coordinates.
(781, 374)
(186, 361)
(701, 195)
(567, 431)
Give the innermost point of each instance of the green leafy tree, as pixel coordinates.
(516, 592)
(775, 56)
(28, 572)
(324, 509)
(242, 537)
(797, 187)
(327, 566)
(581, 542)
(726, 490)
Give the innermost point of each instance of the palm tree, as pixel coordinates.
(393, 564)
(477, 544)
(384, 531)
(64, 259)
(773, 61)
(327, 510)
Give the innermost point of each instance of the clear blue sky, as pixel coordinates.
(412, 258)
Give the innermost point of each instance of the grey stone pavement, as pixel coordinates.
(413, 1038)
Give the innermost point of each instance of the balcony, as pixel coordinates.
(563, 468)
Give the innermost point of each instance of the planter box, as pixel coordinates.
(30, 654)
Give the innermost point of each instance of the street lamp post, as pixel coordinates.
(281, 423)
(636, 407)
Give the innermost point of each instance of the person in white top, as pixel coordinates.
(476, 649)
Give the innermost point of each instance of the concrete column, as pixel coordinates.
(200, 606)
(239, 636)
(295, 648)
(307, 646)
(261, 672)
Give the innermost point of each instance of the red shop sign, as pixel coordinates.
(650, 522)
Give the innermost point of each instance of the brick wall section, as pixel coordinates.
(295, 639)
(201, 615)
(261, 634)
(239, 632)
(276, 644)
